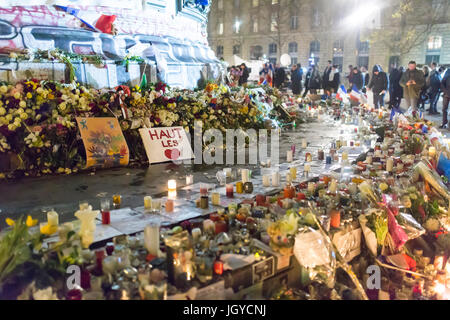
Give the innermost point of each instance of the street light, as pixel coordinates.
(237, 25)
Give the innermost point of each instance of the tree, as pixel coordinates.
(410, 24)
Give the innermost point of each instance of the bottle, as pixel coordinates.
(218, 265)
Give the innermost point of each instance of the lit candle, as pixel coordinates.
(169, 205)
(432, 152)
(390, 165)
(333, 186)
(229, 190)
(290, 156)
(293, 172)
(288, 178)
(52, 218)
(209, 226)
(148, 203)
(172, 185)
(304, 144)
(196, 233)
(276, 179)
(151, 238)
(215, 198)
(311, 187)
(156, 205)
(245, 175)
(189, 180)
(266, 180)
(344, 156)
(239, 187)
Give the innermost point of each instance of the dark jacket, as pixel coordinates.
(412, 91)
(336, 82)
(445, 84)
(378, 82)
(358, 80)
(296, 79)
(315, 80)
(279, 77)
(394, 83)
(244, 78)
(434, 81)
(325, 78)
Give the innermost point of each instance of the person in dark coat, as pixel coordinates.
(307, 80)
(412, 82)
(395, 89)
(379, 85)
(279, 76)
(357, 79)
(424, 91)
(296, 79)
(334, 84)
(315, 82)
(245, 74)
(434, 88)
(326, 82)
(445, 87)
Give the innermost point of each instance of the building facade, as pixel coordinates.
(319, 30)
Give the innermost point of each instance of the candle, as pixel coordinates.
(304, 144)
(311, 187)
(215, 198)
(106, 215)
(172, 185)
(333, 186)
(400, 166)
(52, 218)
(229, 190)
(344, 156)
(148, 203)
(117, 201)
(266, 181)
(290, 156)
(156, 205)
(307, 168)
(204, 202)
(369, 159)
(169, 205)
(221, 226)
(196, 233)
(432, 152)
(203, 189)
(335, 220)
(239, 187)
(208, 226)
(218, 267)
(288, 178)
(189, 180)
(293, 172)
(390, 165)
(320, 155)
(151, 238)
(276, 179)
(245, 175)
(293, 149)
(308, 157)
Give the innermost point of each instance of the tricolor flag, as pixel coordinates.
(94, 20)
(355, 95)
(342, 94)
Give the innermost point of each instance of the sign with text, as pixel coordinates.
(166, 144)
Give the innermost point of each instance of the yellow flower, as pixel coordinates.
(17, 95)
(29, 95)
(31, 222)
(2, 176)
(51, 96)
(10, 222)
(48, 229)
(3, 89)
(2, 111)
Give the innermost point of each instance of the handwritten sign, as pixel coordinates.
(166, 144)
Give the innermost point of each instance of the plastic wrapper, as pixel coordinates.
(433, 179)
(397, 233)
(369, 235)
(314, 252)
(348, 243)
(412, 228)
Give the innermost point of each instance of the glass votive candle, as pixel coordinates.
(230, 191)
(276, 179)
(109, 248)
(105, 211)
(117, 201)
(290, 156)
(293, 171)
(189, 180)
(344, 156)
(266, 181)
(172, 185)
(148, 203)
(196, 233)
(215, 198)
(169, 205)
(221, 226)
(239, 187)
(203, 189)
(156, 205)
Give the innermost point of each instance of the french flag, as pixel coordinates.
(96, 21)
(341, 94)
(355, 95)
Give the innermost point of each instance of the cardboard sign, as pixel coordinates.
(166, 144)
(104, 142)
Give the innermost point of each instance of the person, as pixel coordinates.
(334, 80)
(262, 74)
(235, 76)
(379, 86)
(326, 79)
(296, 79)
(366, 78)
(279, 76)
(350, 77)
(395, 90)
(423, 93)
(412, 82)
(315, 80)
(357, 79)
(244, 75)
(445, 87)
(434, 91)
(307, 81)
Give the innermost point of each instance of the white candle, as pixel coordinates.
(290, 156)
(311, 187)
(276, 179)
(378, 153)
(304, 144)
(288, 178)
(189, 180)
(307, 168)
(266, 181)
(344, 156)
(208, 226)
(196, 233)
(390, 165)
(245, 175)
(52, 218)
(172, 185)
(148, 203)
(215, 199)
(333, 186)
(151, 238)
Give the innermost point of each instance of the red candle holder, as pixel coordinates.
(335, 220)
(260, 199)
(218, 267)
(221, 226)
(214, 217)
(74, 295)
(106, 217)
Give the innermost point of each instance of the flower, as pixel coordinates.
(10, 222)
(31, 222)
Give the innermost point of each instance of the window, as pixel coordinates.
(237, 4)
(220, 28)
(256, 52)
(294, 22)
(314, 46)
(237, 25)
(255, 25)
(395, 61)
(434, 43)
(237, 49)
(432, 58)
(273, 48)
(294, 61)
(219, 51)
(255, 3)
(363, 61)
(316, 17)
(363, 47)
(220, 4)
(274, 24)
(293, 47)
(338, 48)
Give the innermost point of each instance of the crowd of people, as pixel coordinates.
(238, 75)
